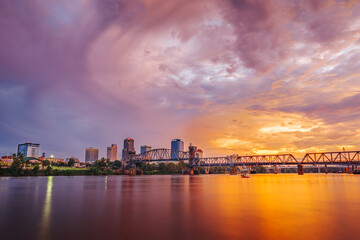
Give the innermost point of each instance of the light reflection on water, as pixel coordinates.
(312, 206)
(45, 219)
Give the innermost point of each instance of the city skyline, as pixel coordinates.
(245, 77)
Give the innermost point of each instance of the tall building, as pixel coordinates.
(29, 149)
(91, 154)
(112, 152)
(128, 148)
(145, 148)
(177, 145)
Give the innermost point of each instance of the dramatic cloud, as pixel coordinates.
(229, 76)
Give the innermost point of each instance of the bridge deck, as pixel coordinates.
(328, 158)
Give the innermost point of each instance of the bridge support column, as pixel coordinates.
(207, 170)
(326, 169)
(191, 171)
(233, 170)
(352, 168)
(275, 169)
(300, 169)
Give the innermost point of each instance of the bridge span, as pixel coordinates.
(320, 158)
(164, 155)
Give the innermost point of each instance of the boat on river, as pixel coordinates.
(245, 175)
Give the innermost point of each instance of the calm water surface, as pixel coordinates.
(181, 207)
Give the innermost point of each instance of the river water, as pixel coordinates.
(283, 206)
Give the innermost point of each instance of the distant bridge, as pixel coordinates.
(322, 158)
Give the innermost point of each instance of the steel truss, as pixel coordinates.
(160, 155)
(273, 159)
(164, 155)
(346, 157)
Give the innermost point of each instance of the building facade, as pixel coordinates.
(145, 148)
(112, 152)
(177, 145)
(6, 160)
(128, 148)
(53, 160)
(91, 154)
(29, 149)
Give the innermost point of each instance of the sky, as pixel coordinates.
(229, 76)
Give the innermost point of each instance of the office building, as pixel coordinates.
(145, 148)
(177, 146)
(112, 152)
(29, 149)
(91, 154)
(128, 149)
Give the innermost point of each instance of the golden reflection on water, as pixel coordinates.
(46, 213)
(211, 207)
(287, 207)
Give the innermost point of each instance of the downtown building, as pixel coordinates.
(111, 153)
(129, 149)
(91, 154)
(144, 149)
(29, 149)
(177, 146)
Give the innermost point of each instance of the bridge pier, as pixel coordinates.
(326, 169)
(300, 169)
(353, 168)
(275, 169)
(191, 171)
(233, 170)
(207, 170)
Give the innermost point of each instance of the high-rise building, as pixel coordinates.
(29, 149)
(177, 145)
(112, 152)
(128, 148)
(145, 148)
(91, 154)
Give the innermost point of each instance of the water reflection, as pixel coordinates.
(208, 207)
(46, 213)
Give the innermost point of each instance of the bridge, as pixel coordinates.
(321, 158)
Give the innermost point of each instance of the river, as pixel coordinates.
(265, 206)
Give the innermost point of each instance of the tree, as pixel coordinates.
(171, 167)
(36, 170)
(260, 169)
(140, 165)
(162, 168)
(46, 163)
(48, 171)
(71, 162)
(116, 164)
(15, 168)
(100, 164)
(181, 165)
